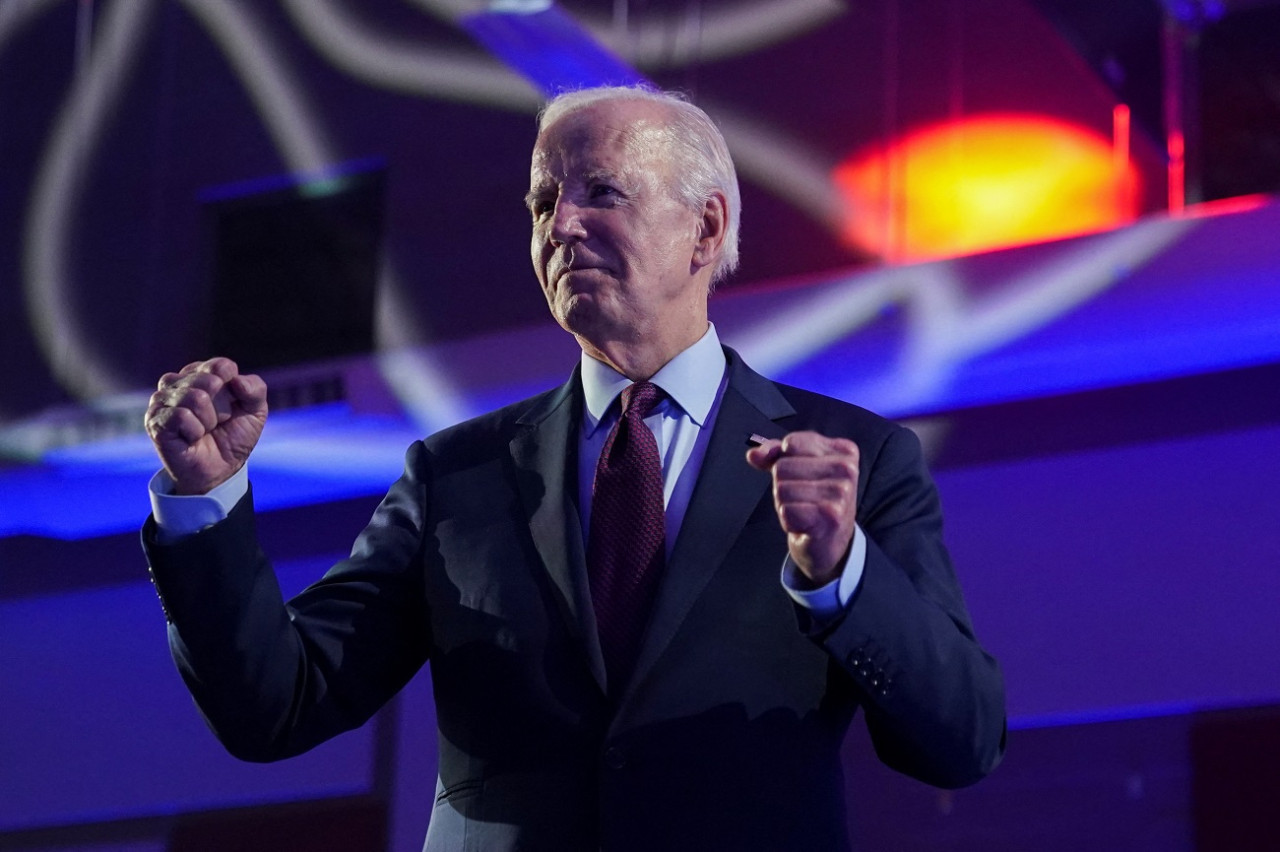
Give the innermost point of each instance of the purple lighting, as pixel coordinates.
(549, 48)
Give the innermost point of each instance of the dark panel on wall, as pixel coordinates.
(295, 271)
(1236, 780)
(1240, 104)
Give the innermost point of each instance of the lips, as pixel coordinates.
(576, 265)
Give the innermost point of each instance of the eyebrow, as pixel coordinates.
(615, 178)
(537, 193)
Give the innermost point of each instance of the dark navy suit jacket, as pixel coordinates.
(728, 734)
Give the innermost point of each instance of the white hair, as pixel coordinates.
(702, 165)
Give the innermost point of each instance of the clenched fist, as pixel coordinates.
(204, 421)
(815, 491)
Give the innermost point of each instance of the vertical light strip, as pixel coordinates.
(1173, 68)
(1120, 130)
(894, 163)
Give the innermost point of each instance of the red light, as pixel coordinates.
(1177, 172)
(985, 182)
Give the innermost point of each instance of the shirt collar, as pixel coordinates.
(691, 379)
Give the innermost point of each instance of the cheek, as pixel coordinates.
(538, 254)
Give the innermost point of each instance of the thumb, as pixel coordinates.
(764, 455)
(250, 393)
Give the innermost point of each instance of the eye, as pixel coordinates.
(540, 200)
(602, 190)
(541, 207)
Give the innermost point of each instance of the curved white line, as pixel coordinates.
(944, 326)
(80, 368)
(774, 162)
(402, 66)
(786, 168)
(14, 14)
(280, 101)
(716, 33)
(817, 318)
(665, 41)
(947, 329)
(1084, 269)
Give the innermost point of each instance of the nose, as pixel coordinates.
(566, 222)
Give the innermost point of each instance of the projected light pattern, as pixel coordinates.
(815, 342)
(985, 182)
(847, 203)
(945, 327)
(282, 103)
(515, 32)
(386, 61)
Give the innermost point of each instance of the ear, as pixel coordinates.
(712, 228)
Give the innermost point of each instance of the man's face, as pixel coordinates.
(612, 246)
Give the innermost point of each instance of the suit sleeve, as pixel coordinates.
(934, 699)
(274, 679)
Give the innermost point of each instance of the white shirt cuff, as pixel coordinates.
(182, 515)
(826, 601)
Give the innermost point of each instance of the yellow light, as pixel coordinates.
(982, 183)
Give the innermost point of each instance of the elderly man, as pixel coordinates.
(639, 638)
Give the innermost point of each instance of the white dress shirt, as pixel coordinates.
(694, 383)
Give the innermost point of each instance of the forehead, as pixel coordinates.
(613, 136)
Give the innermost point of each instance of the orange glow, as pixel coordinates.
(982, 183)
(1227, 206)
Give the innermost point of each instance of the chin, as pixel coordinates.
(584, 318)
(576, 317)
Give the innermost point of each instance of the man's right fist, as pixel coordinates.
(205, 420)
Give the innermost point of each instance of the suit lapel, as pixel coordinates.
(727, 492)
(546, 460)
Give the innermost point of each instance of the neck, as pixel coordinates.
(640, 359)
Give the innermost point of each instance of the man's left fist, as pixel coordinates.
(815, 490)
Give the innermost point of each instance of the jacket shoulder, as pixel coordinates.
(816, 410)
(494, 430)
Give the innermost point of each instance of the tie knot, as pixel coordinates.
(642, 397)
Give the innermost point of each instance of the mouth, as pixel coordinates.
(564, 272)
(570, 261)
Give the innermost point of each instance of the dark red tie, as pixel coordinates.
(627, 542)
